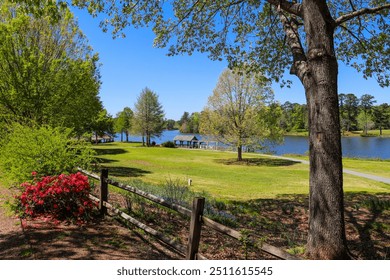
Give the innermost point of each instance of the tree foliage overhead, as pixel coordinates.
(251, 33)
(48, 72)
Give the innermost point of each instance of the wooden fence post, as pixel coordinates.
(103, 191)
(195, 227)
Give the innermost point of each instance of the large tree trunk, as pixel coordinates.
(326, 238)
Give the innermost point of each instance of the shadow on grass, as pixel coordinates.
(105, 160)
(127, 172)
(105, 151)
(257, 162)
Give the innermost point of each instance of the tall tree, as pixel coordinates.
(189, 123)
(366, 103)
(47, 69)
(349, 111)
(170, 124)
(102, 124)
(270, 36)
(184, 122)
(381, 116)
(235, 112)
(148, 115)
(123, 122)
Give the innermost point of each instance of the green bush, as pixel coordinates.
(168, 144)
(44, 150)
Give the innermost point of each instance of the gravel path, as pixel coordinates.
(347, 171)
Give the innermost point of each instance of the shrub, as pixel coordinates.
(63, 197)
(168, 144)
(45, 150)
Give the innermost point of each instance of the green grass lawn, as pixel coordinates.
(218, 174)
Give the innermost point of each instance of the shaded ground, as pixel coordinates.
(281, 222)
(101, 239)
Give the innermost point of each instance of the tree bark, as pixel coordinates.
(326, 237)
(239, 153)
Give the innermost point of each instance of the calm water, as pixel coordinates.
(362, 147)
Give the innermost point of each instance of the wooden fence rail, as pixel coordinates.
(196, 215)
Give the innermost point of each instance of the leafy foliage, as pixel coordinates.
(251, 34)
(168, 144)
(48, 71)
(237, 114)
(123, 122)
(44, 150)
(148, 115)
(189, 123)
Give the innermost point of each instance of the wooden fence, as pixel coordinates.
(190, 251)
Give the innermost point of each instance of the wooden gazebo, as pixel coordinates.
(189, 141)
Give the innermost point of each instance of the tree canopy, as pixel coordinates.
(236, 111)
(252, 33)
(148, 115)
(123, 122)
(48, 71)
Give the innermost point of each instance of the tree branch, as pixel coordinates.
(299, 66)
(360, 12)
(354, 36)
(290, 7)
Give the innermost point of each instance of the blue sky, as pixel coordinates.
(183, 83)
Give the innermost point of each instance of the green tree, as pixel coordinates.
(184, 123)
(123, 122)
(102, 124)
(235, 112)
(307, 37)
(294, 117)
(148, 115)
(194, 122)
(189, 123)
(286, 119)
(381, 116)
(171, 124)
(366, 103)
(349, 111)
(47, 70)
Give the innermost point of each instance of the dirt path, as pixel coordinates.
(102, 239)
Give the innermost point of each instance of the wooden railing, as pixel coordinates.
(196, 214)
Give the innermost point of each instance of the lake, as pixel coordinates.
(359, 147)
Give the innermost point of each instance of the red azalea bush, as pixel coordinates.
(63, 197)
